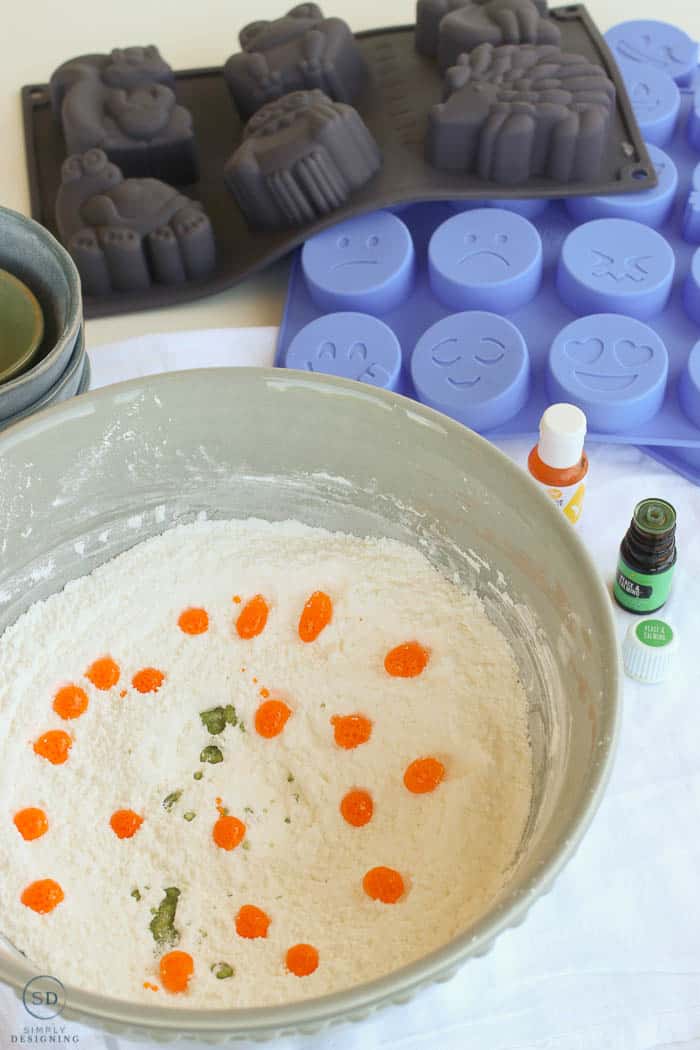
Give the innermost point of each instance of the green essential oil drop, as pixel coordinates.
(647, 558)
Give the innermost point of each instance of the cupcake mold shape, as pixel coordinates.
(288, 197)
(125, 234)
(635, 376)
(124, 104)
(301, 158)
(365, 264)
(301, 50)
(488, 259)
(520, 110)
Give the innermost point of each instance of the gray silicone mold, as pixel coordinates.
(124, 103)
(397, 96)
(521, 110)
(301, 159)
(126, 234)
(430, 15)
(301, 50)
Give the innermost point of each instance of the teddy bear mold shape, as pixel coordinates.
(516, 111)
(302, 50)
(300, 159)
(127, 234)
(124, 103)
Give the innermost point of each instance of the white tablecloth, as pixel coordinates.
(610, 959)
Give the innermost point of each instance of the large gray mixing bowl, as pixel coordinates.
(114, 467)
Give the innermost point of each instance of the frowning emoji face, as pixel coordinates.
(613, 367)
(363, 264)
(473, 366)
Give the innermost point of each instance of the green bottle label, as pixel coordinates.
(639, 592)
(655, 633)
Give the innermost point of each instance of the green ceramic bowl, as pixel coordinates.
(21, 326)
(119, 465)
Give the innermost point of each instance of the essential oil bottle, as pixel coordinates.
(648, 556)
(558, 461)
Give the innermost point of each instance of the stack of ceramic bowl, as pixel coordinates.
(42, 347)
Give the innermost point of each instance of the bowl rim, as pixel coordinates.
(398, 985)
(74, 308)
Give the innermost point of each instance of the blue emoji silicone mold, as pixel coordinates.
(349, 345)
(601, 297)
(655, 99)
(648, 43)
(473, 366)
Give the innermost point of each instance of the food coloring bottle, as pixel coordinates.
(558, 461)
(647, 558)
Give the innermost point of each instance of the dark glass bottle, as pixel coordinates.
(648, 556)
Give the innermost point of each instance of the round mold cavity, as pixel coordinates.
(646, 42)
(349, 345)
(691, 289)
(689, 387)
(691, 216)
(365, 264)
(615, 266)
(613, 367)
(488, 259)
(650, 207)
(473, 366)
(655, 99)
(528, 207)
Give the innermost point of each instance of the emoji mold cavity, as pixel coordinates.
(655, 99)
(349, 345)
(474, 366)
(651, 207)
(301, 158)
(615, 266)
(488, 259)
(364, 264)
(124, 103)
(659, 44)
(300, 51)
(125, 234)
(614, 368)
(689, 386)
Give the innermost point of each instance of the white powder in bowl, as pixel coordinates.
(300, 861)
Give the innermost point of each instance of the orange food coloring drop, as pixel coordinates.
(264, 693)
(148, 680)
(252, 922)
(194, 621)
(125, 823)
(104, 673)
(176, 969)
(351, 730)
(315, 616)
(357, 808)
(424, 775)
(228, 832)
(302, 960)
(252, 618)
(70, 702)
(54, 746)
(383, 884)
(151, 987)
(42, 896)
(31, 823)
(407, 660)
(271, 718)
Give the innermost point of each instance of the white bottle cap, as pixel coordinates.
(649, 650)
(562, 434)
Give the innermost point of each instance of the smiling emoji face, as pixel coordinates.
(613, 367)
(473, 366)
(349, 345)
(363, 264)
